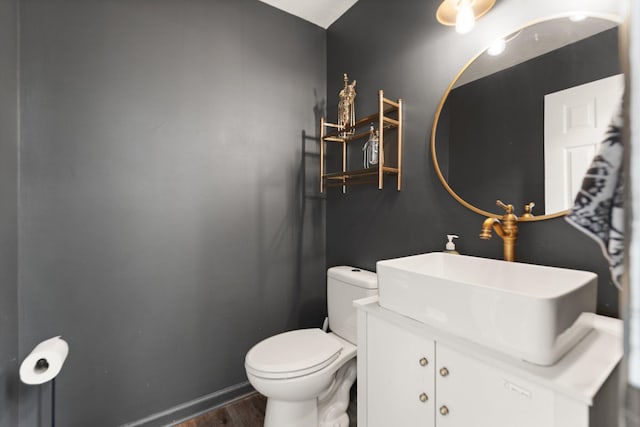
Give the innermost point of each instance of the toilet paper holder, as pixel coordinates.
(43, 364)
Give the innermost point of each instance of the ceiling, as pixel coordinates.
(320, 12)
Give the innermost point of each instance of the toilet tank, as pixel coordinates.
(344, 285)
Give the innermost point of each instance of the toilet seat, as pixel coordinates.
(293, 354)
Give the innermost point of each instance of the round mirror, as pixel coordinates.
(523, 119)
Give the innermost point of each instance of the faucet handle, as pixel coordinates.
(507, 208)
(528, 210)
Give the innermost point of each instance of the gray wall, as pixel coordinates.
(416, 58)
(8, 214)
(167, 221)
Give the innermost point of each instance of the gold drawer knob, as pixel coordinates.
(424, 361)
(424, 397)
(444, 410)
(444, 372)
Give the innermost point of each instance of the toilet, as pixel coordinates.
(307, 374)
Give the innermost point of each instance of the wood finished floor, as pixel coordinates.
(245, 412)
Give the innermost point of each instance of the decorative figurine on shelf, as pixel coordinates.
(371, 148)
(346, 109)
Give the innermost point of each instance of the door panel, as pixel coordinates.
(400, 376)
(479, 395)
(575, 121)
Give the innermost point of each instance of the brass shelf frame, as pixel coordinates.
(330, 132)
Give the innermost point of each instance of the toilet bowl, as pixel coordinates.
(306, 374)
(293, 388)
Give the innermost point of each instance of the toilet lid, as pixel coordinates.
(293, 353)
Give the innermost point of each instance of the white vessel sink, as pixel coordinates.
(527, 311)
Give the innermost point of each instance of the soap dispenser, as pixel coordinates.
(450, 247)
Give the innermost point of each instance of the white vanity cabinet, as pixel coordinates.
(410, 374)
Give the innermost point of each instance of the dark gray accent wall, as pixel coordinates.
(416, 58)
(168, 218)
(8, 214)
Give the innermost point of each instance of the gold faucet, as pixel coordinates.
(528, 210)
(505, 227)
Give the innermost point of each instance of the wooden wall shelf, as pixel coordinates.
(330, 132)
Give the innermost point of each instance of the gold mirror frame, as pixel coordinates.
(434, 126)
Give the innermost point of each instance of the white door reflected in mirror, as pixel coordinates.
(575, 122)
